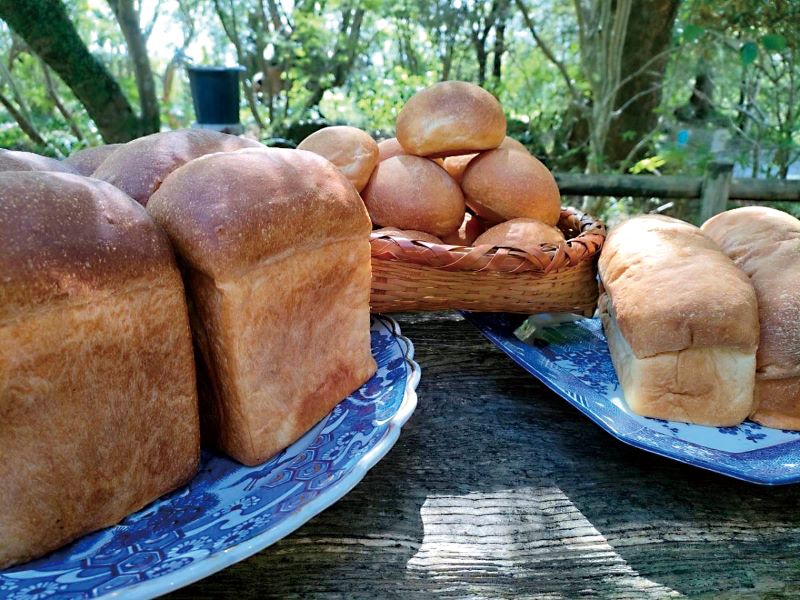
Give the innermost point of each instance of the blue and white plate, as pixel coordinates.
(573, 360)
(228, 511)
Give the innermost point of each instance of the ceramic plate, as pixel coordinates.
(229, 512)
(573, 360)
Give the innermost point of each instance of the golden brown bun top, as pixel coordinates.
(523, 234)
(270, 201)
(672, 288)
(139, 167)
(451, 117)
(507, 184)
(765, 244)
(86, 161)
(66, 236)
(352, 150)
(16, 160)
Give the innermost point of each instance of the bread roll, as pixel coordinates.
(86, 161)
(409, 234)
(409, 192)
(16, 160)
(98, 405)
(471, 228)
(353, 151)
(456, 165)
(522, 234)
(389, 148)
(681, 322)
(449, 118)
(139, 167)
(765, 244)
(507, 184)
(277, 264)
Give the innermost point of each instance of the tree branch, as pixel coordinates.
(576, 97)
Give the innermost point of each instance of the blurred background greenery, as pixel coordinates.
(639, 86)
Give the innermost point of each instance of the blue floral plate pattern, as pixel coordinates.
(228, 511)
(573, 360)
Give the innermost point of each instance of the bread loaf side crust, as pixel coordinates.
(711, 385)
(284, 343)
(99, 414)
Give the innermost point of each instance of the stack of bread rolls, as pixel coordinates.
(218, 289)
(451, 175)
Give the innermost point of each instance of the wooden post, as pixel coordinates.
(716, 189)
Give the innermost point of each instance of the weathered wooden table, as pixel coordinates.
(498, 488)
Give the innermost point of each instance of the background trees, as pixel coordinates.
(651, 85)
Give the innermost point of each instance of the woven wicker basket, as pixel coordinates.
(411, 275)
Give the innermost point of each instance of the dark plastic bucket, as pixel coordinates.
(215, 94)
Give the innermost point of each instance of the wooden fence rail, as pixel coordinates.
(715, 188)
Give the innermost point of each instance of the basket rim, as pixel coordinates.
(546, 259)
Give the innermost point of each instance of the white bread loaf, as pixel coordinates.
(765, 244)
(681, 321)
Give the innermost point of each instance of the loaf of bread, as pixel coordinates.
(507, 184)
(86, 161)
(765, 244)
(352, 150)
(16, 160)
(98, 404)
(139, 167)
(275, 245)
(410, 192)
(449, 118)
(681, 321)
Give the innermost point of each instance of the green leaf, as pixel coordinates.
(692, 32)
(748, 53)
(773, 41)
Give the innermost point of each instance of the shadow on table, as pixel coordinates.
(498, 488)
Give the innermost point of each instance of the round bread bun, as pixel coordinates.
(465, 235)
(388, 148)
(409, 234)
(139, 167)
(352, 150)
(521, 234)
(450, 118)
(87, 160)
(409, 192)
(16, 160)
(456, 165)
(505, 184)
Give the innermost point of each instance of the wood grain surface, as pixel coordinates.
(497, 488)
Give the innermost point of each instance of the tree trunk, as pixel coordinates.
(128, 19)
(48, 31)
(649, 35)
